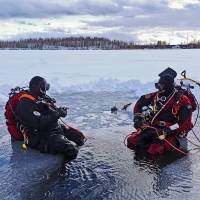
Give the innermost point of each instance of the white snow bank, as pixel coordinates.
(3, 99)
(109, 85)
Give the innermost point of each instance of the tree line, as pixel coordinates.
(87, 43)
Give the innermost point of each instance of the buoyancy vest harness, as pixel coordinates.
(14, 124)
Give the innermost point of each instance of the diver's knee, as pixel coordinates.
(70, 151)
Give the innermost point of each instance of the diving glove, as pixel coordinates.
(138, 121)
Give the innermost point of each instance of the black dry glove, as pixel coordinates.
(62, 111)
(168, 132)
(138, 121)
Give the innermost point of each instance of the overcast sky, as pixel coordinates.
(139, 20)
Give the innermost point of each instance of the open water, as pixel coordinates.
(90, 83)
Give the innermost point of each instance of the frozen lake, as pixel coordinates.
(90, 83)
(73, 67)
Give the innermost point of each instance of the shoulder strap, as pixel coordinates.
(27, 96)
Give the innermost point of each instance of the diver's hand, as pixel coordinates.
(168, 132)
(62, 111)
(138, 121)
(183, 134)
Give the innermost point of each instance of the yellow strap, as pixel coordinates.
(189, 79)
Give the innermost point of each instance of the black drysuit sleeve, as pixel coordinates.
(32, 117)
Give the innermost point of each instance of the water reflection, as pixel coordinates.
(104, 169)
(172, 174)
(27, 174)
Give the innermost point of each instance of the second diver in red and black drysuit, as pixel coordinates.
(170, 105)
(37, 120)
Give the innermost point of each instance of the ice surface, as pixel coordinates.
(90, 83)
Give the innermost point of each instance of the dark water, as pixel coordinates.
(105, 168)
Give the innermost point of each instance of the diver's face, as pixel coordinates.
(164, 85)
(44, 87)
(161, 85)
(40, 88)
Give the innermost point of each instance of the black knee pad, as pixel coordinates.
(60, 144)
(71, 151)
(74, 135)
